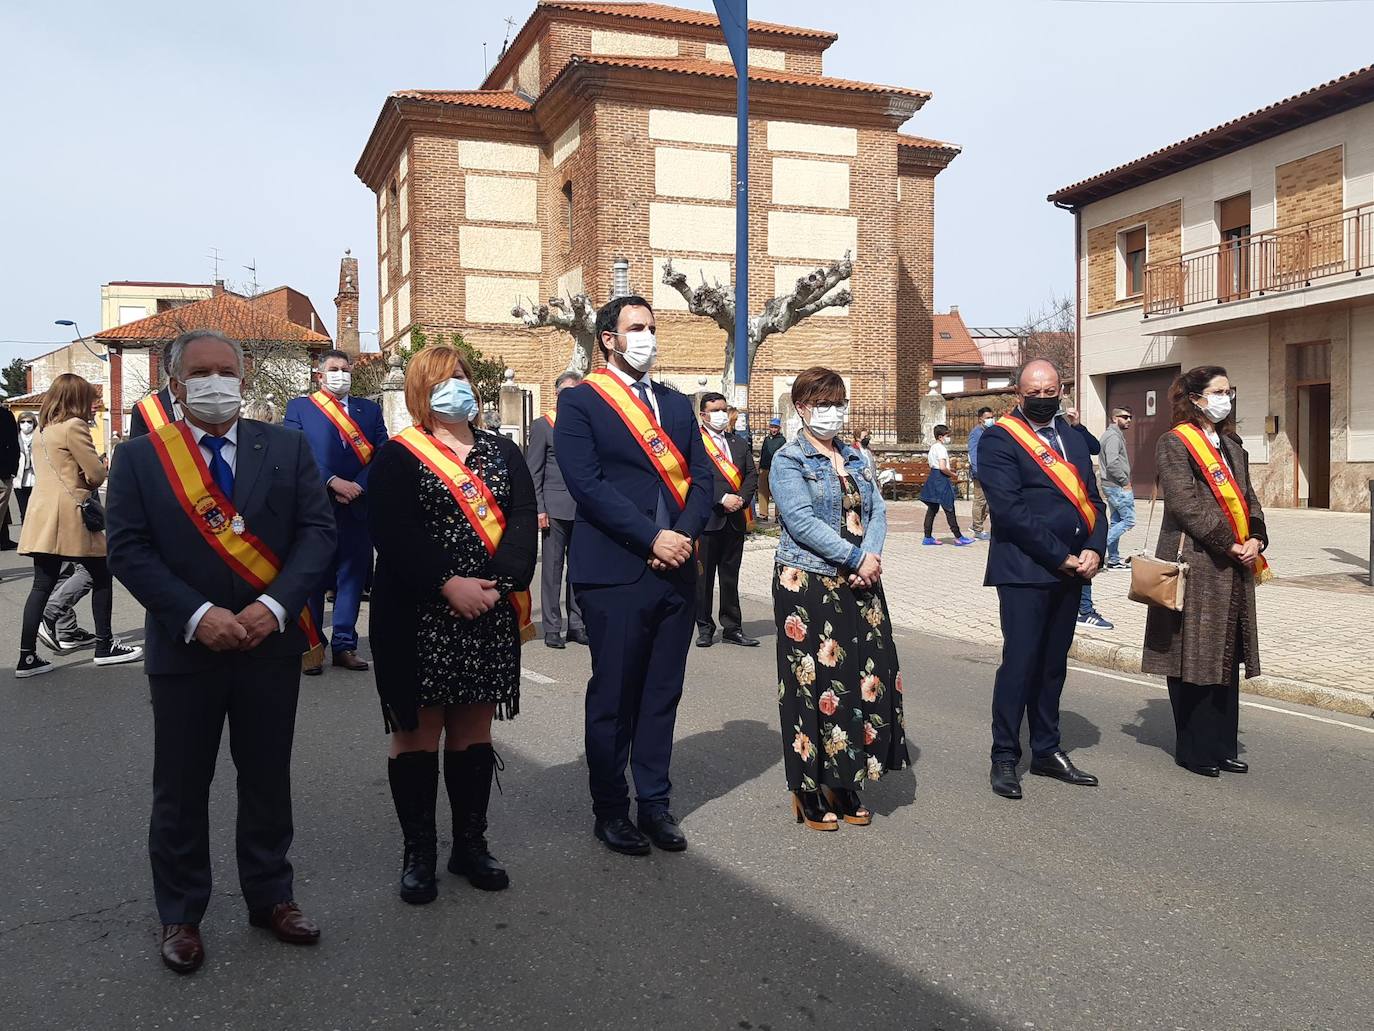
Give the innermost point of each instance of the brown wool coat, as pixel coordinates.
(70, 470)
(1199, 643)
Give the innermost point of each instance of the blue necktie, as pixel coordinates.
(1051, 437)
(661, 517)
(219, 468)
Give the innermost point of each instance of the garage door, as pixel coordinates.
(1146, 394)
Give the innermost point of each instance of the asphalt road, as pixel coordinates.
(1159, 900)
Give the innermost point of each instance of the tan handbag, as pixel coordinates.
(1157, 581)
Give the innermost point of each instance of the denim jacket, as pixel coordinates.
(809, 499)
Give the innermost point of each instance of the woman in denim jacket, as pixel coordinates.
(839, 685)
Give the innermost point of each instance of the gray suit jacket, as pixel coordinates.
(160, 556)
(550, 491)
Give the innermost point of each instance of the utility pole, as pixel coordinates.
(734, 25)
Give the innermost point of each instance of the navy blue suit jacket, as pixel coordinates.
(333, 456)
(1034, 526)
(161, 557)
(617, 488)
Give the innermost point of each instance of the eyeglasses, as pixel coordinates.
(1228, 392)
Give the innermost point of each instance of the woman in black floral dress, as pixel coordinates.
(839, 683)
(445, 636)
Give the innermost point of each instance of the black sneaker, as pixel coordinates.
(76, 639)
(115, 652)
(30, 665)
(47, 633)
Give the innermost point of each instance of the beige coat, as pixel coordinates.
(66, 469)
(1199, 643)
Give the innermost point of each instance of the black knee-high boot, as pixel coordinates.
(414, 780)
(468, 775)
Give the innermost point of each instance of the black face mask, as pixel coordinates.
(864, 442)
(1041, 409)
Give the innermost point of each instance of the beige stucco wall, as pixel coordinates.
(759, 57)
(702, 174)
(691, 227)
(491, 298)
(803, 138)
(632, 44)
(799, 234)
(498, 157)
(115, 296)
(490, 198)
(690, 127)
(504, 250)
(812, 184)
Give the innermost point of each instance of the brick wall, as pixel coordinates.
(1163, 240)
(1309, 189)
(915, 297)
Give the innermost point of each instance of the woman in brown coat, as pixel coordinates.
(67, 469)
(1201, 648)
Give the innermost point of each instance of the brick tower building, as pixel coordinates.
(346, 306)
(607, 130)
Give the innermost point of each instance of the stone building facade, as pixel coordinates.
(607, 130)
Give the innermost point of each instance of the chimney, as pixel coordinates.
(954, 309)
(218, 289)
(620, 277)
(346, 301)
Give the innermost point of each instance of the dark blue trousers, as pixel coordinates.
(352, 562)
(640, 634)
(1037, 628)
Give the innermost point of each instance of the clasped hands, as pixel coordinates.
(670, 550)
(345, 491)
(470, 596)
(222, 631)
(1246, 554)
(1087, 565)
(869, 572)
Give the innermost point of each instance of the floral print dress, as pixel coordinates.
(839, 685)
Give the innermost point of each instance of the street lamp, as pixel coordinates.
(72, 323)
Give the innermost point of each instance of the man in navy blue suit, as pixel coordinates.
(1049, 531)
(632, 457)
(344, 433)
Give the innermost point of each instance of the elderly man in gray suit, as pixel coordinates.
(557, 510)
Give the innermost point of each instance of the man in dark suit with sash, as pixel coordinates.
(557, 510)
(1049, 532)
(219, 527)
(633, 460)
(155, 410)
(720, 552)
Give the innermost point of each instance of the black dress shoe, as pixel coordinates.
(737, 637)
(620, 835)
(1201, 769)
(553, 641)
(663, 831)
(705, 640)
(1233, 766)
(1060, 767)
(1004, 781)
(579, 637)
(182, 950)
(314, 671)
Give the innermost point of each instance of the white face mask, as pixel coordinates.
(945, 441)
(641, 348)
(827, 420)
(337, 381)
(1218, 406)
(718, 421)
(214, 399)
(26, 428)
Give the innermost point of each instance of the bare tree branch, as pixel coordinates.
(574, 315)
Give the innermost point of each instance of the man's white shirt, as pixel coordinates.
(630, 380)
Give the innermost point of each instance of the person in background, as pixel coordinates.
(720, 549)
(59, 630)
(772, 444)
(985, 421)
(55, 531)
(938, 491)
(557, 512)
(1087, 612)
(344, 434)
(1212, 514)
(24, 477)
(738, 427)
(1116, 485)
(862, 442)
(9, 468)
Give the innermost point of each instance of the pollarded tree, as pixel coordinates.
(575, 315)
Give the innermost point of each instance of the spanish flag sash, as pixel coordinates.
(1062, 472)
(476, 502)
(551, 415)
(733, 476)
(648, 434)
(155, 416)
(1224, 488)
(343, 422)
(220, 524)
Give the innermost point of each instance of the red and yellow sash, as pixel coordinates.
(1062, 472)
(551, 415)
(348, 429)
(733, 476)
(215, 517)
(154, 414)
(476, 502)
(1224, 488)
(648, 434)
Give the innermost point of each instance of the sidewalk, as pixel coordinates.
(1316, 619)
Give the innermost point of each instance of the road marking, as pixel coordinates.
(1252, 705)
(537, 678)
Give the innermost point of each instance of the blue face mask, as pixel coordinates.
(454, 401)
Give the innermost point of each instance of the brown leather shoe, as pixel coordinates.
(350, 660)
(287, 922)
(182, 950)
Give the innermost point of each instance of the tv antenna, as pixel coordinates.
(214, 260)
(253, 268)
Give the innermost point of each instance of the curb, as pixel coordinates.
(1127, 659)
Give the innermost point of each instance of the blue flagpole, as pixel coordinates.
(734, 24)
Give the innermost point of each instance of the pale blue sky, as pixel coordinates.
(138, 135)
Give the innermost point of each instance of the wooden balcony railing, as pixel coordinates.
(1262, 263)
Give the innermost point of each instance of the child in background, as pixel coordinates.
(938, 491)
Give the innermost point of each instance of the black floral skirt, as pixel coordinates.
(839, 683)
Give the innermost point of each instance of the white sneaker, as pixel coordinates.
(116, 652)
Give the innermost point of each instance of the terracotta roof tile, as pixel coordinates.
(953, 345)
(679, 16)
(227, 313)
(920, 142)
(504, 100)
(720, 70)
